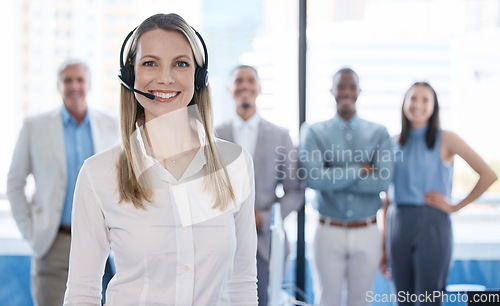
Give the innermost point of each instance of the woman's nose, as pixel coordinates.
(166, 76)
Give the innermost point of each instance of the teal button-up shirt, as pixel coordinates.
(331, 155)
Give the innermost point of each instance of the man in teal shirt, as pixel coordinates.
(348, 162)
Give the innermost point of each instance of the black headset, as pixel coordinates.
(127, 74)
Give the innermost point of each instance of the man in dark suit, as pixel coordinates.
(274, 158)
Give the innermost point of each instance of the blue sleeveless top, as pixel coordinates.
(418, 169)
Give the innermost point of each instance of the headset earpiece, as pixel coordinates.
(127, 76)
(200, 78)
(126, 73)
(201, 73)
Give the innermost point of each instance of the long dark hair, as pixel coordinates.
(432, 126)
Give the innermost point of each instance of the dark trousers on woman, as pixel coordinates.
(419, 248)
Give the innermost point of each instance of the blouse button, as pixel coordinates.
(186, 268)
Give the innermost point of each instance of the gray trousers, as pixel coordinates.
(419, 245)
(49, 273)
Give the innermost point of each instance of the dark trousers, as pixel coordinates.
(262, 279)
(419, 245)
(109, 272)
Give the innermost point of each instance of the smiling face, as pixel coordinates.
(74, 84)
(418, 106)
(164, 67)
(345, 89)
(245, 88)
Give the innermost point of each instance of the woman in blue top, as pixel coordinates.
(419, 229)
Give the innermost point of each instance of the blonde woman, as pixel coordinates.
(174, 204)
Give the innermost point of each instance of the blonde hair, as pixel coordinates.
(217, 182)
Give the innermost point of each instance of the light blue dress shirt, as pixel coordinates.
(78, 146)
(331, 154)
(418, 169)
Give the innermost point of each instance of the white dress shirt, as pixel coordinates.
(246, 132)
(176, 251)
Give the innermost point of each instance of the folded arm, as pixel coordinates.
(313, 169)
(378, 175)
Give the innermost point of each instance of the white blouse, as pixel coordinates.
(177, 251)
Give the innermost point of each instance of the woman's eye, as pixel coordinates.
(148, 63)
(182, 64)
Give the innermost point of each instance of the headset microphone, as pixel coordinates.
(147, 95)
(127, 74)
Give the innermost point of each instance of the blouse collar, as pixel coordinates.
(148, 162)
